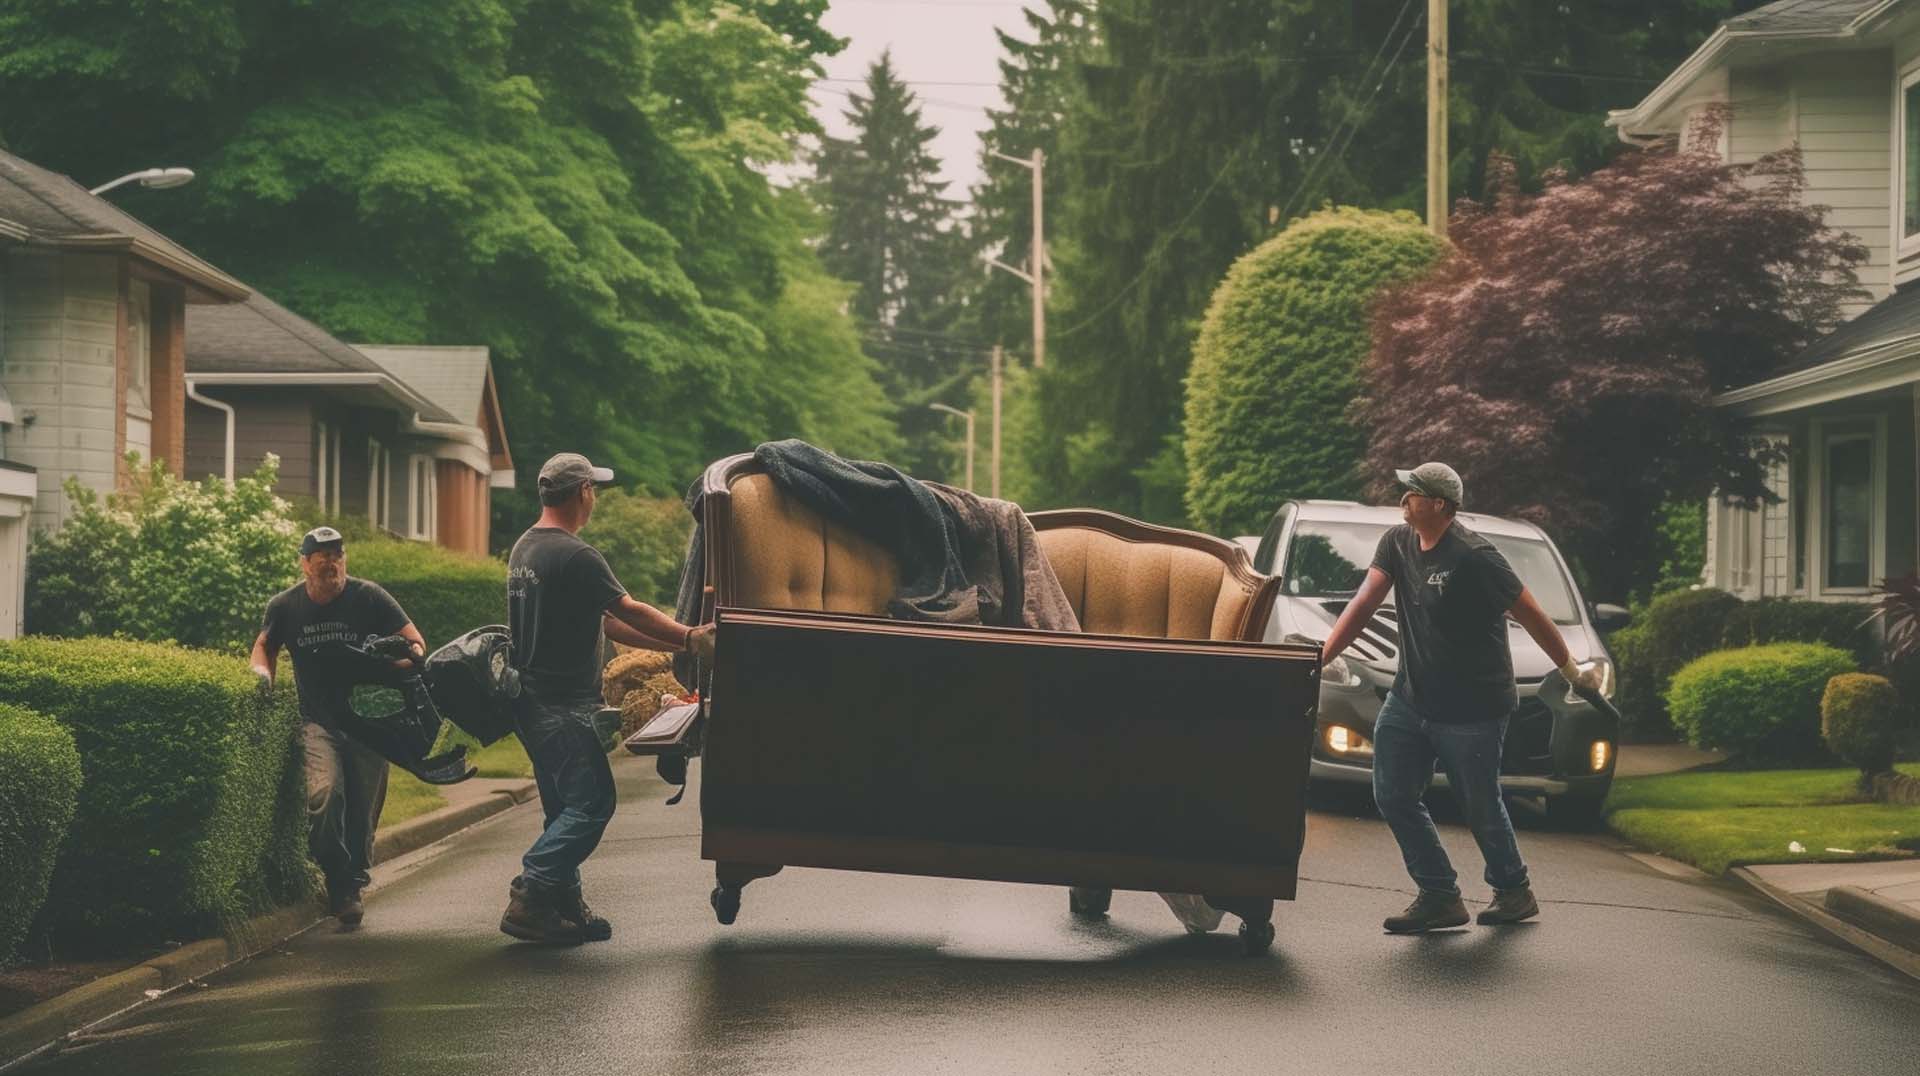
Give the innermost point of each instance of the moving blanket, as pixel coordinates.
(963, 559)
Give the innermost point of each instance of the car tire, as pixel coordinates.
(1577, 812)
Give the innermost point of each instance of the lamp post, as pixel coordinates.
(158, 179)
(1035, 273)
(968, 415)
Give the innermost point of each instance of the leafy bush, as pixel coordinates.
(1671, 631)
(191, 815)
(191, 562)
(644, 540)
(1758, 703)
(1860, 721)
(39, 780)
(444, 592)
(1276, 362)
(1783, 620)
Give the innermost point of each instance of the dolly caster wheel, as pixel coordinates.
(1256, 938)
(726, 904)
(1089, 903)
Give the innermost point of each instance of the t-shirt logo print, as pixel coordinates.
(1438, 581)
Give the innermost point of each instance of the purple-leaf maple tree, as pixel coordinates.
(1563, 356)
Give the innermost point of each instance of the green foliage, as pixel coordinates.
(1671, 631)
(1758, 704)
(582, 187)
(191, 562)
(445, 593)
(1783, 620)
(1680, 546)
(644, 540)
(191, 815)
(39, 784)
(1275, 366)
(1860, 721)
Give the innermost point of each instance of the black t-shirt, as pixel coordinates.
(1455, 665)
(557, 588)
(362, 611)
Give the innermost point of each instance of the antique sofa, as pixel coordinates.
(1162, 748)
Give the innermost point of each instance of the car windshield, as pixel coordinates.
(1330, 560)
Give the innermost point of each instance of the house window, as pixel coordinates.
(322, 457)
(1909, 159)
(139, 415)
(378, 483)
(1797, 505)
(1849, 529)
(424, 500)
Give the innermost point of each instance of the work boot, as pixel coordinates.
(345, 905)
(1509, 906)
(536, 913)
(592, 927)
(1429, 911)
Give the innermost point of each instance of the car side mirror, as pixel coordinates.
(1610, 617)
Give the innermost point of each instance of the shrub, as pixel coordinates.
(1758, 703)
(444, 592)
(190, 816)
(1842, 625)
(191, 562)
(1276, 361)
(644, 540)
(1860, 721)
(39, 780)
(1671, 631)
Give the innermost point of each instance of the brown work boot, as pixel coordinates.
(592, 927)
(343, 903)
(535, 913)
(1509, 906)
(1429, 911)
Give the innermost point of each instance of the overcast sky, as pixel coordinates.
(945, 48)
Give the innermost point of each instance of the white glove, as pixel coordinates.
(1587, 679)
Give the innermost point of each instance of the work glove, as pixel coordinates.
(700, 643)
(263, 682)
(1586, 680)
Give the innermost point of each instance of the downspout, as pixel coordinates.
(194, 395)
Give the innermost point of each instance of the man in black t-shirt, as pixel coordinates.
(561, 596)
(346, 781)
(1452, 695)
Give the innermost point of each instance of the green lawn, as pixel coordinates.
(1716, 819)
(408, 797)
(501, 758)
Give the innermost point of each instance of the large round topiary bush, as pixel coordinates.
(1760, 704)
(1275, 364)
(1860, 720)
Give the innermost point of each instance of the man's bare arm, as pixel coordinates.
(1526, 609)
(1364, 604)
(265, 657)
(660, 631)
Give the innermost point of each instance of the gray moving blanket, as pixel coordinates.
(963, 559)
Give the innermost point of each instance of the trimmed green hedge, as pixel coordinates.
(191, 814)
(1843, 625)
(1758, 703)
(446, 593)
(1673, 629)
(39, 782)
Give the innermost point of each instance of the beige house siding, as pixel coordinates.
(61, 328)
(1843, 110)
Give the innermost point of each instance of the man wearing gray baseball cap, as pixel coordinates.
(561, 595)
(1452, 694)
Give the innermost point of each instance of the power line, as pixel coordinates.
(934, 101)
(1332, 152)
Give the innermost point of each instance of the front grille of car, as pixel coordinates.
(1529, 746)
(1379, 638)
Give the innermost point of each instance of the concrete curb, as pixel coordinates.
(1888, 953)
(30, 1031)
(1891, 920)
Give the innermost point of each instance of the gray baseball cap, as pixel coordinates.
(1435, 480)
(568, 469)
(320, 538)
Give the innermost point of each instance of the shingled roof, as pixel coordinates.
(1802, 16)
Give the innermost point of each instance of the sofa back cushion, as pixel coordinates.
(1155, 589)
(786, 556)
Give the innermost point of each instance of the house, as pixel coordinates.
(92, 351)
(1841, 78)
(354, 436)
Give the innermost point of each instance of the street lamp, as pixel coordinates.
(158, 179)
(968, 415)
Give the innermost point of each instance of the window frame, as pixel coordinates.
(423, 498)
(379, 483)
(1823, 432)
(1904, 245)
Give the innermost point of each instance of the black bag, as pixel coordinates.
(474, 682)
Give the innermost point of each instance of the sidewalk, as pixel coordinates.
(1873, 906)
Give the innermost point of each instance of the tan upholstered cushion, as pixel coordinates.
(785, 556)
(1165, 591)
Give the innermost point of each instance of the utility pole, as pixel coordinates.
(1437, 117)
(968, 415)
(993, 478)
(1035, 274)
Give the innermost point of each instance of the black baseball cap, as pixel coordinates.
(321, 538)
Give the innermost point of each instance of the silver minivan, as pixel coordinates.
(1559, 748)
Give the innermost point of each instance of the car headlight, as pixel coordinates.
(1607, 681)
(1346, 743)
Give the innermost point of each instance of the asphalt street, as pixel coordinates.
(1627, 971)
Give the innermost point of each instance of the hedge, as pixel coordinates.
(1673, 629)
(39, 782)
(1860, 721)
(446, 593)
(1843, 625)
(1760, 704)
(191, 813)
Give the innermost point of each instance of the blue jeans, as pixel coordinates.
(575, 781)
(1405, 748)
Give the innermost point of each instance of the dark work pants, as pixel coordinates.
(346, 789)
